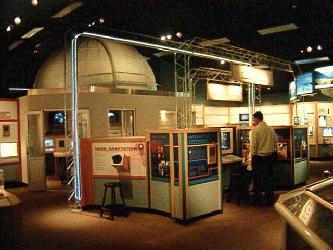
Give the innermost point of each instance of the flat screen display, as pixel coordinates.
(292, 91)
(328, 132)
(227, 140)
(48, 143)
(304, 84)
(243, 117)
(323, 77)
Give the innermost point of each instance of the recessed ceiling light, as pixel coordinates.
(32, 32)
(101, 20)
(9, 28)
(17, 20)
(319, 47)
(34, 2)
(309, 49)
(163, 38)
(65, 11)
(277, 29)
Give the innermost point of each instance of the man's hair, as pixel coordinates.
(258, 115)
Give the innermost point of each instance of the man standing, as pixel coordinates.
(263, 143)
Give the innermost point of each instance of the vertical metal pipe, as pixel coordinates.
(75, 134)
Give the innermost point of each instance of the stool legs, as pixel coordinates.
(103, 203)
(122, 196)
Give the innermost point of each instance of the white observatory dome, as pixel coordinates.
(100, 63)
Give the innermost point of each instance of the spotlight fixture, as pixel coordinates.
(89, 25)
(268, 88)
(163, 38)
(34, 2)
(101, 20)
(309, 49)
(168, 36)
(319, 47)
(17, 20)
(302, 51)
(179, 34)
(9, 28)
(93, 23)
(222, 62)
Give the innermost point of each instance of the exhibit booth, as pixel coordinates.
(10, 157)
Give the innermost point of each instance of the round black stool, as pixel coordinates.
(113, 205)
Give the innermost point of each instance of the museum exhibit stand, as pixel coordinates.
(185, 172)
(291, 167)
(307, 214)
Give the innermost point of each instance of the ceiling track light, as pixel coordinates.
(17, 20)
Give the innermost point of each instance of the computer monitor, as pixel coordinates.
(328, 132)
(48, 143)
(227, 141)
(243, 117)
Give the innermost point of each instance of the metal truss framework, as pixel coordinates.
(183, 84)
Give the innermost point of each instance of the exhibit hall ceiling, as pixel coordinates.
(31, 30)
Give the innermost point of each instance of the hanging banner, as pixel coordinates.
(223, 92)
(249, 74)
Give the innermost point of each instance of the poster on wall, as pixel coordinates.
(120, 159)
(8, 110)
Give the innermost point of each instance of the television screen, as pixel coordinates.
(304, 84)
(59, 117)
(48, 143)
(328, 131)
(243, 117)
(292, 91)
(225, 140)
(323, 77)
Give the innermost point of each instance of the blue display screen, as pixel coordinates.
(304, 84)
(323, 76)
(292, 91)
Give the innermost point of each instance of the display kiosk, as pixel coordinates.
(291, 168)
(185, 177)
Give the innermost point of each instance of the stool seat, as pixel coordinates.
(113, 206)
(112, 184)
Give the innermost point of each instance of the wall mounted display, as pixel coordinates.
(323, 77)
(292, 91)
(223, 92)
(322, 121)
(249, 74)
(304, 84)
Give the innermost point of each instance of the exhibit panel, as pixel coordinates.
(10, 158)
(185, 167)
(291, 168)
(120, 159)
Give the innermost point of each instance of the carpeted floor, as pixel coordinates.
(48, 223)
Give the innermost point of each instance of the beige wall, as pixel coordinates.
(147, 108)
(23, 102)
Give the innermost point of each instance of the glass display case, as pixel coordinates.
(308, 215)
